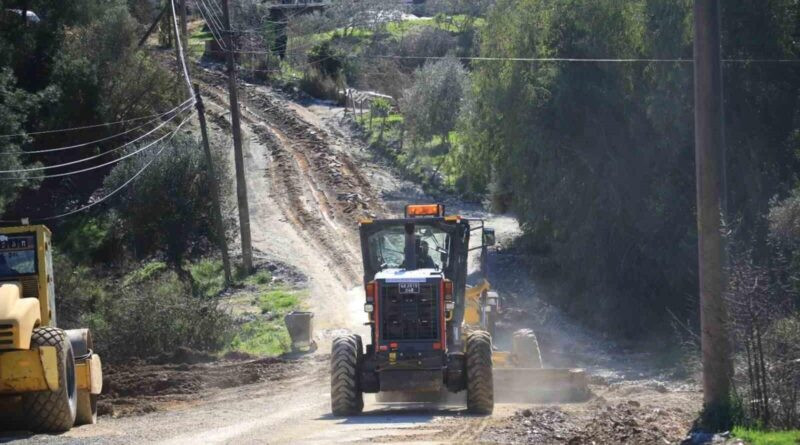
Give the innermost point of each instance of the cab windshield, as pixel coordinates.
(17, 255)
(387, 248)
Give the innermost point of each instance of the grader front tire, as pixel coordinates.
(346, 396)
(54, 411)
(480, 386)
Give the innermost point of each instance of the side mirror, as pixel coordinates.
(488, 237)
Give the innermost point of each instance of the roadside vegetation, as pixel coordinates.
(759, 437)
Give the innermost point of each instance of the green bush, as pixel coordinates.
(150, 312)
(159, 315)
(80, 293)
(209, 277)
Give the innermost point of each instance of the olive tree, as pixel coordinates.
(431, 105)
(167, 209)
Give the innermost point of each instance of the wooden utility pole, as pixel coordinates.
(241, 184)
(710, 165)
(212, 180)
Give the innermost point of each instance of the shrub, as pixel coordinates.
(156, 316)
(150, 312)
(766, 330)
(79, 292)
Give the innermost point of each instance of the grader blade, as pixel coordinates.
(514, 382)
(540, 385)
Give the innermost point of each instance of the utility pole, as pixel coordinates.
(212, 179)
(710, 170)
(241, 184)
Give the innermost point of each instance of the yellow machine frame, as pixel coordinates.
(22, 368)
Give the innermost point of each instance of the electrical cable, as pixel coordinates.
(59, 175)
(79, 161)
(180, 52)
(64, 130)
(84, 144)
(118, 189)
(214, 26)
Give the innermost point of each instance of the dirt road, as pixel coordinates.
(308, 183)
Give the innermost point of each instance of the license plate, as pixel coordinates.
(409, 288)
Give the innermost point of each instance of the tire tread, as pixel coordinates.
(50, 411)
(480, 386)
(346, 396)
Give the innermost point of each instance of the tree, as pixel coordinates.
(598, 157)
(432, 104)
(15, 106)
(166, 209)
(595, 155)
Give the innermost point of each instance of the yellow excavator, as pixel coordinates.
(49, 377)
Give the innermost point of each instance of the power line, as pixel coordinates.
(180, 52)
(59, 175)
(79, 161)
(214, 26)
(84, 144)
(118, 189)
(64, 130)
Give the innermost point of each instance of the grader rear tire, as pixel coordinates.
(525, 349)
(346, 357)
(54, 411)
(480, 386)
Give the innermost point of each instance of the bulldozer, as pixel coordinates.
(49, 377)
(430, 332)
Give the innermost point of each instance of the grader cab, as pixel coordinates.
(49, 377)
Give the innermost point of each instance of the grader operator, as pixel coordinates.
(49, 377)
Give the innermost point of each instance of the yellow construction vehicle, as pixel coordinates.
(49, 376)
(518, 374)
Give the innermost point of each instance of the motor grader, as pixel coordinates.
(49, 377)
(429, 330)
